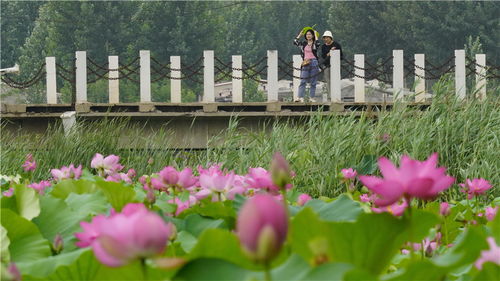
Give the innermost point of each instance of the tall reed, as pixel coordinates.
(466, 134)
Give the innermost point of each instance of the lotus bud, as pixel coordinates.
(280, 171)
(173, 231)
(58, 244)
(319, 248)
(490, 213)
(444, 209)
(150, 197)
(131, 173)
(143, 179)
(303, 198)
(262, 227)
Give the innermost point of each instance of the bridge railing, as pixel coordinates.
(209, 70)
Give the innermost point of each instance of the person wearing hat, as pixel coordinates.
(328, 45)
(309, 69)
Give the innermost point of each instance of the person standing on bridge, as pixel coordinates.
(328, 45)
(309, 70)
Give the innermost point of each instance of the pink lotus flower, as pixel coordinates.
(428, 246)
(123, 237)
(364, 198)
(303, 198)
(405, 251)
(13, 272)
(216, 185)
(491, 255)
(385, 137)
(144, 180)
(29, 164)
(9, 192)
(260, 178)
(414, 179)
(239, 187)
(90, 231)
(131, 173)
(349, 173)
(170, 177)
(475, 187)
(186, 178)
(119, 177)
(262, 227)
(106, 166)
(150, 197)
(490, 213)
(40, 187)
(395, 209)
(444, 209)
(181, 206)
(67, 172)
(212, 170)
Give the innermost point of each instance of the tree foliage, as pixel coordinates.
(32, 30)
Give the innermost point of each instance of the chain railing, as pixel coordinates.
(493, 72)
(379, 71)
(223, 70)
(432, 72)
(382, 70)
(17, 84)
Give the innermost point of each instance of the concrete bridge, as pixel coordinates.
(193, 124)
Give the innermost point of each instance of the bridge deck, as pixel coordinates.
(190, 125)
(193, 109)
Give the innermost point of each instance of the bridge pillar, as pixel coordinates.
(359, 80)
(237, 82)
(335, 84)
(481, 76)
(68, 120)
(50, 69)
(397, 74)
(114, 85)
(272, 75)
(145, 75)
(175, 84)
(460, 88)
(208, 76)
(297, 61)
(420, 78)
(81, 77)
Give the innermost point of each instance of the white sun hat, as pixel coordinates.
(328, 33)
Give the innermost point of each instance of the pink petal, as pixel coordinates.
(443, 183)
(389, 192)
(104, 256)
(387, 168)
(370, 181)
(421, 188)
(202, 194)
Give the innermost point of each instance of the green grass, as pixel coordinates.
(465, 134)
